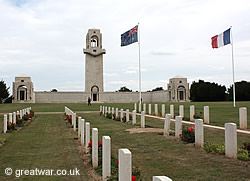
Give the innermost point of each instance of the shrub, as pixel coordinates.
(188, 134)
(214, 148)
(109, 115)
(11, 126)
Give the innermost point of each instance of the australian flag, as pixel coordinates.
(129, 36)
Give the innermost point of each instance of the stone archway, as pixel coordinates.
(22, 93)
(94, 93)
(181, 93)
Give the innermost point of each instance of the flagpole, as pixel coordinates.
(233, 65)
(139, 37)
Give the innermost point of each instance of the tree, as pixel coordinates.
(158, 89)
(124, 89)
(206, 91)
(53, 90)
(242, 91)
(4, 92)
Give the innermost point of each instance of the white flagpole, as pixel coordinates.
(140, 98)
(233, 65)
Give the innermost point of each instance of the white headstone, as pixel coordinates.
(206, 114)
(134, 117)
(121, 114)
(74, 121)
(142, 119)
(149, 109)
(135, 107)
(5, 123)
(139, 107)
(192, 113)
(100, 108)
(125, 165)
(113, 111)
(106, 110)
(144, 108)
(106, 157)
(94, 147)
(116, 113)
(181, 111)
(127, 115)
(161, 178)
(178, 126)
(18, 113)
(230, 140)
(156, 109)
(21, 114)
(243, 117)
(103, 110)
(199, 135)
(109, 111)
(167, 125)
(82, 130)
(14, 117)
(79, 127)
(10, 118)
(172, 111)
(163, 110)
(87, 140)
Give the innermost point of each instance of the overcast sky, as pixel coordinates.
(44, 39)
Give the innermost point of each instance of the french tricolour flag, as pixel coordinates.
(221, 39)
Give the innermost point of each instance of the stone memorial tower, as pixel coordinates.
(94, 64)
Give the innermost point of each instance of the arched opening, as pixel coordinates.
(22, 93)
(94, 41)
(95, 93)
(181, 93)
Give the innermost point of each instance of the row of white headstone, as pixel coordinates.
(242, 113)
(73, 116)
(124, 154)
(230, 134)
(12, 117)
(230, 128)
(115, 113)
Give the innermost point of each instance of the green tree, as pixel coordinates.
(158, 89)
(206, 91)
(4, 92)
(242, 91)
(124, 89)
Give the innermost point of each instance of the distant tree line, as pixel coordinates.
(207, 91)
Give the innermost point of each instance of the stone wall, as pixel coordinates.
(61, 97)
(107, 97)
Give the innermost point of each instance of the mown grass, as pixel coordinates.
(45, 143)
(157, 155)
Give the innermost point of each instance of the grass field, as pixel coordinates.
(45, 143)
(48, 143)
(157, 155)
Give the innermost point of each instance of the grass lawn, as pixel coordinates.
(45, 143)
(157, 155)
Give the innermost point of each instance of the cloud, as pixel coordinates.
(163, 53)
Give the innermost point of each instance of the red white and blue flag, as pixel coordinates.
(129, 36)
(221, 39)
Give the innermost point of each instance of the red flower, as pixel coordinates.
(137, 167)
(90, 144)
(100, 144)
(117, 162)
(191, 129)
(133, 178)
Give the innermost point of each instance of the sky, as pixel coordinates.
(44, 39)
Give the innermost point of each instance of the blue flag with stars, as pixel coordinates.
(129, 36)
